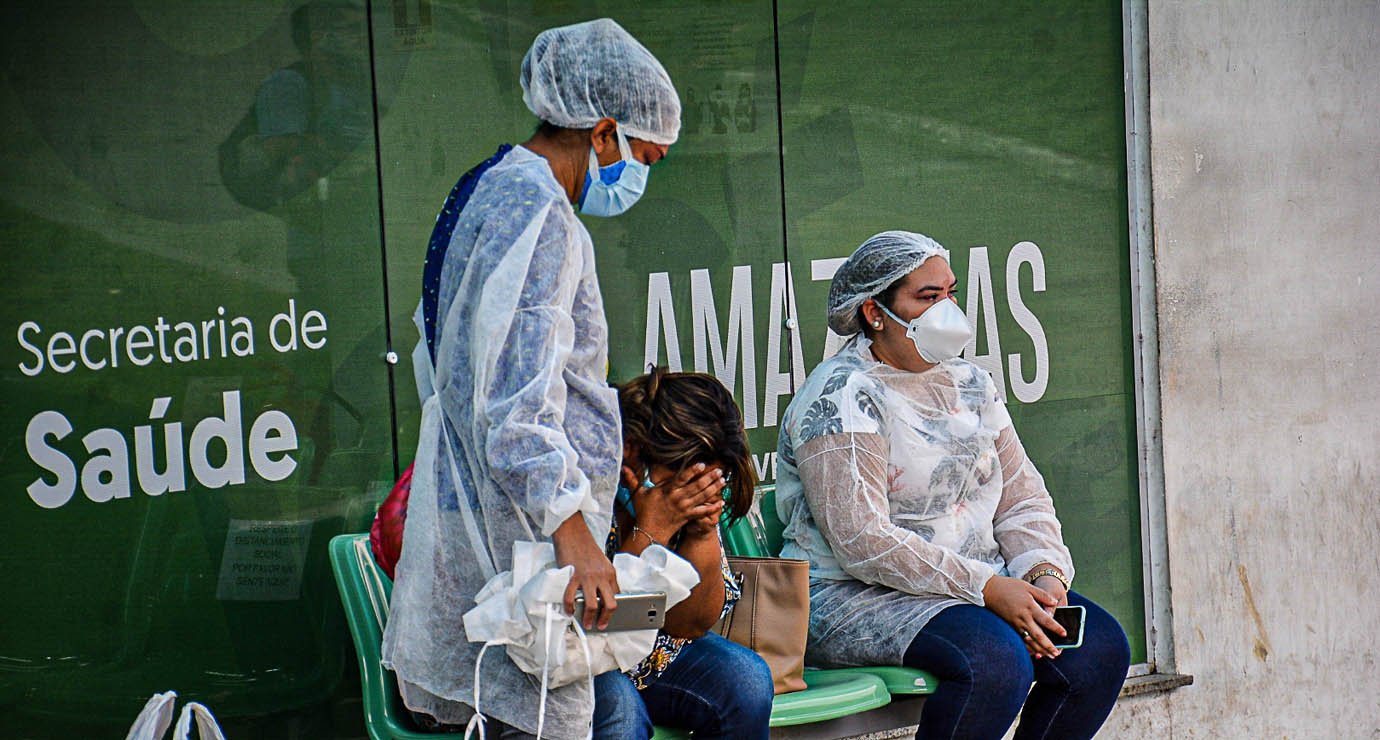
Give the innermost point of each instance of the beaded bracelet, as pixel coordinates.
(1031, 578)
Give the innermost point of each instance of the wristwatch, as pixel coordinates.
(1034, 576)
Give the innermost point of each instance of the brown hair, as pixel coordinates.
(679, 419)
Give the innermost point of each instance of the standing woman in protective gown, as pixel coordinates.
(520, 431)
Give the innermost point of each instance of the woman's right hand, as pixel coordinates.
(692, 494)
(1023, 606)
(594, 574)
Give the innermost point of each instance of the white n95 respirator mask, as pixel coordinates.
(940, 333)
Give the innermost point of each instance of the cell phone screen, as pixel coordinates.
(1071, 619)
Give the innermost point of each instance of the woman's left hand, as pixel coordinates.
(1054, 587)
(707, 524)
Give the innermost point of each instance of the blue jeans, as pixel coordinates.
(985, 674)
(714, 687)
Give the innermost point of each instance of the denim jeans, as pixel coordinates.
(985, 674)
(714, 687)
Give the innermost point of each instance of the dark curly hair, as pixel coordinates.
(679, 419)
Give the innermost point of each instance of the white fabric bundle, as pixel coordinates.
(514, 607)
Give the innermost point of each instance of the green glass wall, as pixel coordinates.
(200, 299)
(194, 400)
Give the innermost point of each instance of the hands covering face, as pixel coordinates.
(691, 499)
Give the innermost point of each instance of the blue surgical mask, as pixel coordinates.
(611, 190)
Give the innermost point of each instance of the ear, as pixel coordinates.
(873, 313)
(604, 138)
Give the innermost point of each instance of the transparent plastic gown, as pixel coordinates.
(906, 492)
(522, 350)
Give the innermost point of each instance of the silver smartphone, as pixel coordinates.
(1071, 619)
(636, 611)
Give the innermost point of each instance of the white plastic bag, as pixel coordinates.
(206, 726)
(156, 716)
(522, 609)
(518, 608)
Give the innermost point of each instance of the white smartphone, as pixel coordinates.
(1071, 619)
(636, 611)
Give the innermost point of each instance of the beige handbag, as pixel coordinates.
(772, 617)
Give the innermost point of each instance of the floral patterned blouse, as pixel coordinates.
(666, 647)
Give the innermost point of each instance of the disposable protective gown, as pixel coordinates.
(521, 357)
(906, 492)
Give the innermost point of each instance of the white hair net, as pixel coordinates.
(575, 75)
(880, 261)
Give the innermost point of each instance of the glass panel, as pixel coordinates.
(194, 396)
(713, 205)
(997, 129)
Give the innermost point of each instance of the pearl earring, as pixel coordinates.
(877, 324)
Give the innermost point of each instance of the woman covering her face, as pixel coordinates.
(686, 468)
(932, 540)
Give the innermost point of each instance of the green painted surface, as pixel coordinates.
(982, 126)
(113, 213)
(986, 127)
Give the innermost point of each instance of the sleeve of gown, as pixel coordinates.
(844, 477)
(1025, 526)
(522, 353)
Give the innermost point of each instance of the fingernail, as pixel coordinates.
(699, 467)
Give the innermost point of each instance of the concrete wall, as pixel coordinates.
(1265, 126)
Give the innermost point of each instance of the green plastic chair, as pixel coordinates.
(364, 592)
(758, 535)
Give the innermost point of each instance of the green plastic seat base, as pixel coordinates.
(829, 695)
(899, 680)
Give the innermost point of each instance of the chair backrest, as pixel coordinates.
(757, 535)
(365, 592)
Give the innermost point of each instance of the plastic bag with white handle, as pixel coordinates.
(514, 606)
(156, 717)
(522, 609)
(206, 726)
